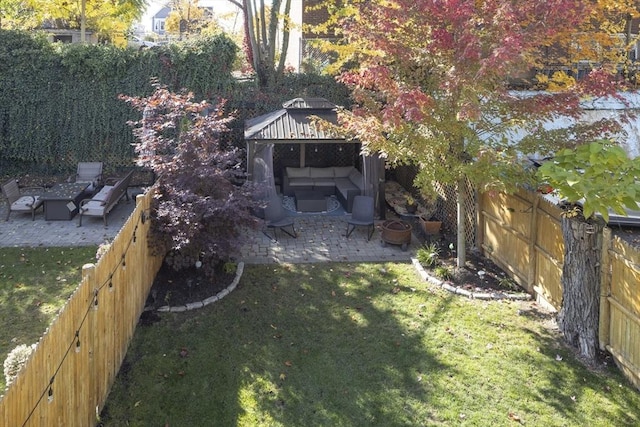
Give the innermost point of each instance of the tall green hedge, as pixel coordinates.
(59, 102)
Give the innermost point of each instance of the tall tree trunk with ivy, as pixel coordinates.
(579, 316)
(266, 49)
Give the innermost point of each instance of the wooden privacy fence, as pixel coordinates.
(522, 234)
(620, 304)
(68, 376)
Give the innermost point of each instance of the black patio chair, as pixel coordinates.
(361, 215)
(276, 217)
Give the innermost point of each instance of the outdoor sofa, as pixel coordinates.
(345, 182)
(101, 203)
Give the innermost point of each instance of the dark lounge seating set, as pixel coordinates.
(345, 182)
(85, 194)
(310, 186)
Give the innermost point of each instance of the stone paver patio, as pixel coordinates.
(320, 238)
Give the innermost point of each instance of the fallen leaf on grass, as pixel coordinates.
(288, 363)
(514, 417)
(283, 376)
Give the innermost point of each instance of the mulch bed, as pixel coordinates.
(176, 288)
(479, 274)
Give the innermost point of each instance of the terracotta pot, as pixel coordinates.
(430, 226)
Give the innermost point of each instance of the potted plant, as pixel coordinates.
(411, 205)
(430, 226)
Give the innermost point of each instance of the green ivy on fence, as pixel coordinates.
(59, 102)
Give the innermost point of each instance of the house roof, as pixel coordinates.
(294, 122)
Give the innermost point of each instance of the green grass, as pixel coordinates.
(359, 345)
(34, 284)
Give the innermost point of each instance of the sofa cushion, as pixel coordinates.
(343, 185)
(104, 193)
(321, 172)
(25, 203)
(298, 172)
(342, 171)
(356, 177)
(300, 182)
(93, 208)
(324, 182)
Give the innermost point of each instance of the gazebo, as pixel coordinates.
(289, 137)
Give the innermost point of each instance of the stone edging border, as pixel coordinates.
(520, 296)
(217, 297)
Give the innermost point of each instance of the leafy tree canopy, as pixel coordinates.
(600, 175)
(188, 18)
(430, 83)
(102, 16)
(201, 207)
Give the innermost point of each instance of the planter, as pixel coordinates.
(430, 227)
(396, 232)
(411, 208)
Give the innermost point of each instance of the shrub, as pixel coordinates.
(443, 272)
(202, 202)
(429, 256)
(15, 361)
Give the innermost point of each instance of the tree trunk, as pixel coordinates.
(578, 317)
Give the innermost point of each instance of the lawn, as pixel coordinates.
(34, 284)
(359, 345)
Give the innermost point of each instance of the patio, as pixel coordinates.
(21, 231)
(320, 238)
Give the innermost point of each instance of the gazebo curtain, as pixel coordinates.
(263, 169)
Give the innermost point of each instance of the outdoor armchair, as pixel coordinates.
(18, 202)
(276, 217)
(89, 172)
(361, 215)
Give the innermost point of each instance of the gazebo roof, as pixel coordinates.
(293, 122)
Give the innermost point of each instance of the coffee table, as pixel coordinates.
(310, 201)
(62, 200)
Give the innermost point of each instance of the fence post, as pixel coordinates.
(533, 238)
(89, 280)
(605, 289)
(479, 221)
